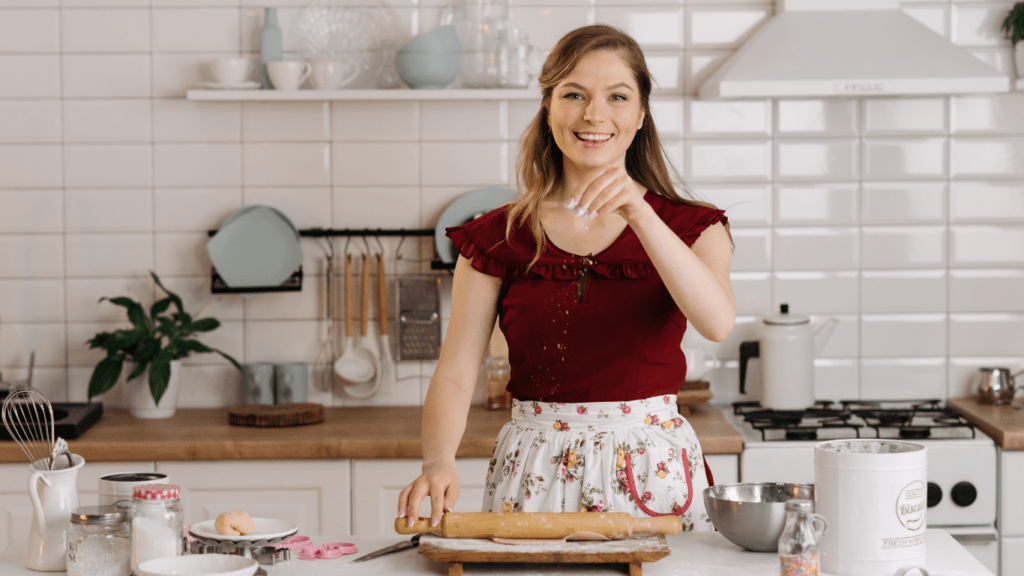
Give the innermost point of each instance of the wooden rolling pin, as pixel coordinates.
(540, 525)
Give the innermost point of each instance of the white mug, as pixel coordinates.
(697, 360)
(230, 71)
(288, 74)
(331, 74)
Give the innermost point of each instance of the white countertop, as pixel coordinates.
(693, 554)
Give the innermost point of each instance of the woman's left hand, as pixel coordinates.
(608, 191)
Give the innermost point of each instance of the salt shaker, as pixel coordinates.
(98, 542)
(798, 544)
(157, 523)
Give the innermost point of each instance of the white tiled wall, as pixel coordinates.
(903, 217)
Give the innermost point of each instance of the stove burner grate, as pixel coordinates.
(909, 419)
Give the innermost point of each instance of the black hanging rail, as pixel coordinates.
(294, 282)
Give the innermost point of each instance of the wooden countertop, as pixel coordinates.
(1002, 423)
(384, 432)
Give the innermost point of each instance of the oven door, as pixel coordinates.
(981, 541)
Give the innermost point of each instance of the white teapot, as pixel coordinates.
(787, 349)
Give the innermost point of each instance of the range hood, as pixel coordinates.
(814, 48)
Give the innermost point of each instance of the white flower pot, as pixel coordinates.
(141, 404)
(1018, 57)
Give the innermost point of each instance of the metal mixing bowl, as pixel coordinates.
(752, 515)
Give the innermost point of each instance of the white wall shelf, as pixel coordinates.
(377, 95)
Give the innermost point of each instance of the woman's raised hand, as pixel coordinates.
(440, 484)
(608, 191)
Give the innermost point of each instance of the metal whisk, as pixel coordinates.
(28, 417)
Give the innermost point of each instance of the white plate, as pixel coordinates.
(266, 528)
(462, 210)
(257, 246)
(199, 565)
(242, 86)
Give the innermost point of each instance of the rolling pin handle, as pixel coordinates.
(421, 526)
(659, 525)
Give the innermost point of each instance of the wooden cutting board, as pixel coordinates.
(693, 393)
(276, 415)
(633, 551)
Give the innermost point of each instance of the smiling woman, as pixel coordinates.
(594, 271)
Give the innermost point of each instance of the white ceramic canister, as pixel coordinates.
(118, 486)
(874, 495)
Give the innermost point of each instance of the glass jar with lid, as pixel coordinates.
(98, 542)
(157, 523)
(801, 534)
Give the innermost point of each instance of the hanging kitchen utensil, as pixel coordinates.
(372, 383)
(419, 318)
(323, 372)
(351, 366)
(787, 349)
(386, 368)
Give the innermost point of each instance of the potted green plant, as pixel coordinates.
(153, 348)
(1013, 28)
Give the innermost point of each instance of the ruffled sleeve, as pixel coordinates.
(689, 221)
(483, 242)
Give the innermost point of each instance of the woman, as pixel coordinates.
(594, 271)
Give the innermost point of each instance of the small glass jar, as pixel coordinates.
(497, 372)
(99, 542)
(798, 544)
(157, 523)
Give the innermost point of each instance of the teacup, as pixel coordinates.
(288, 74)
(698, 362)
(331, 74)
(230, 71)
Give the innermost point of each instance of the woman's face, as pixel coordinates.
(595, 111)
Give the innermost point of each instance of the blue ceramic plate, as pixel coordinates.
(463, 209)
(257, 246)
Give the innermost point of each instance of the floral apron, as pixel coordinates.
(639, 457)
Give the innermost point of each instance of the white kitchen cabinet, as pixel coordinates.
(1012, 555)
(1011, 512)
(1011, 498)
(313, 494)
(724, 467)
(377, 483)
(16, 507)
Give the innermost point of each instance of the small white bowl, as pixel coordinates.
(199, 565)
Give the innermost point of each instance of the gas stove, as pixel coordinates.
(778, 446)
(895, 420)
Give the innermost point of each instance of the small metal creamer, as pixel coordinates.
(996, 386)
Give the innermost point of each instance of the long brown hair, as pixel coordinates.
(539, 168)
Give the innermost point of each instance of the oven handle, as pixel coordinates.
(975, 538)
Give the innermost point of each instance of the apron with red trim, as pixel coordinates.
(641, 457)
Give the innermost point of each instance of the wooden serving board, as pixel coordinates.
(692, 393)
(276, 415)
(633, 551)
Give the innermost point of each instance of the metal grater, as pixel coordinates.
(419, 317)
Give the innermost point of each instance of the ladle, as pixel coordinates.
(351, 366)
(362, 351)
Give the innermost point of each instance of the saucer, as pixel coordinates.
(240, 86)
(266, 529)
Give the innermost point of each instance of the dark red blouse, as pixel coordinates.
(596, 328)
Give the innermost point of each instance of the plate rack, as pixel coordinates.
(294, 282)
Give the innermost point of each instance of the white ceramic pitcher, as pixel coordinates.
(54, 495)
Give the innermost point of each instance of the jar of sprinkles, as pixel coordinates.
(798, 544)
